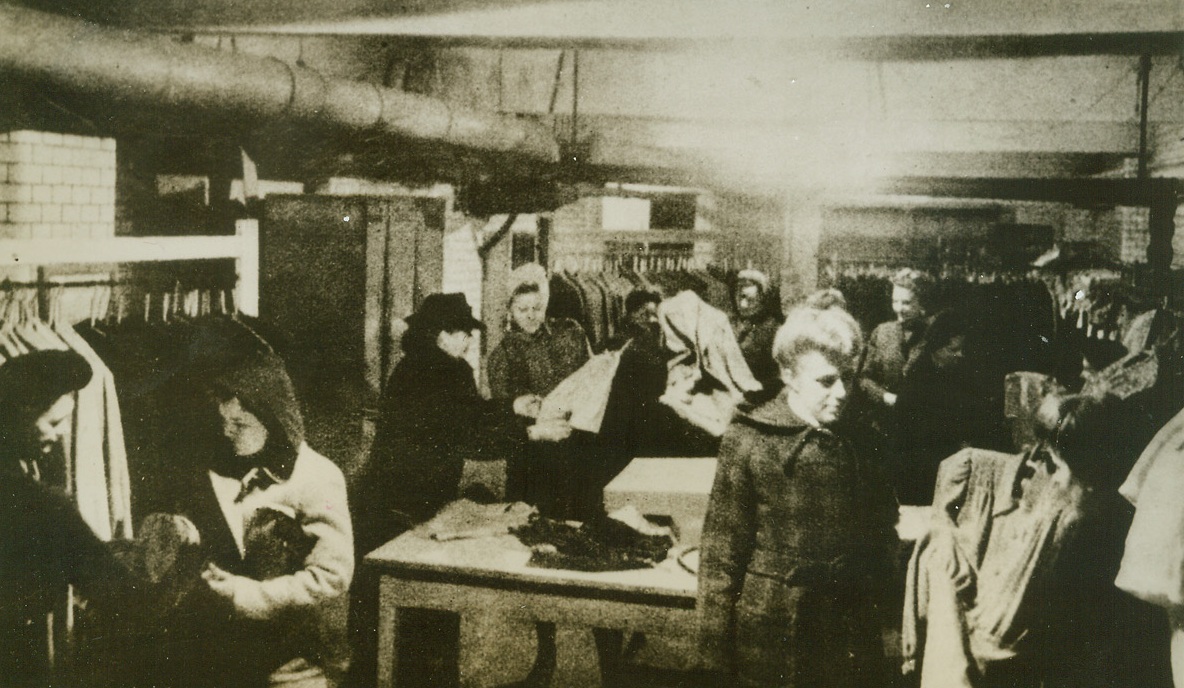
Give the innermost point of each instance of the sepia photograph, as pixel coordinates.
(591, 344)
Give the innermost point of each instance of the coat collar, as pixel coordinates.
(775, 417)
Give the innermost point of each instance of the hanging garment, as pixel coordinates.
(582, 397)
(976, 581)
(1153, 563)
(708, 375)
(99, 437)
(1134, 373)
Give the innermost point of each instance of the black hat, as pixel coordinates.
(444, 313)
(33, 382)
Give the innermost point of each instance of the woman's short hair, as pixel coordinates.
(921, 284)
(830, 331)
(826, 298)
(640, 297)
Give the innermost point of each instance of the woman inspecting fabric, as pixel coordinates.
(799, 529)
(431, 419)
(533, 357)
(45, 544)
(264, 614)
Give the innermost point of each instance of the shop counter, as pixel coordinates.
(490, 574)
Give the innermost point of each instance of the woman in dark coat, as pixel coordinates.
(939, 408)
(799, 530)
(757, 317)
(431, 418)
(45, 544)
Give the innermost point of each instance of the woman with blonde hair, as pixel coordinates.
(799, 530)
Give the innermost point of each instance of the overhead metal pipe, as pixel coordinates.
(157, 72)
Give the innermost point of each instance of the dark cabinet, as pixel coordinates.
(337, 273)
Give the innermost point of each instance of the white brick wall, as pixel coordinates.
(56, 186)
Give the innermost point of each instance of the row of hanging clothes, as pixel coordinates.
(155, 344)
(591, 290)
(1087, 330)
(138, 344)
(99, 464)
(1015, 316)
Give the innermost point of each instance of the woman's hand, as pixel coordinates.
(528, 405)
(219, 580)
(889, 399)
(549, 431)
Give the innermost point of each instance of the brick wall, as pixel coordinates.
(56, 186)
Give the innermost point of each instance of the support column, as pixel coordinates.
(1165, 195)
(803, 232)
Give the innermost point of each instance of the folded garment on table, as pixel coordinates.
(467, 519)
(605, 544)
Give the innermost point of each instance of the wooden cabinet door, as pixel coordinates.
(336, 275)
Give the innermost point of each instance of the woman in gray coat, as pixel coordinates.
(799, 532)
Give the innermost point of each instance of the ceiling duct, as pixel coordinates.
(128, 71)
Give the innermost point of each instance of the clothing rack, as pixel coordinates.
(242, 247)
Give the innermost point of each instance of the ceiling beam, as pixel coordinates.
(1080, 192)
(903, 48)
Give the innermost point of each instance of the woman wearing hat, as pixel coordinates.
(432, 418)
(44, 542)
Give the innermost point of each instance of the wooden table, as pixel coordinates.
(490, 575)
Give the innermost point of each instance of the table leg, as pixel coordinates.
(388, 629)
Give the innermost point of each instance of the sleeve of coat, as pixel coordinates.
(727, 545)
(872, 371)
(497, 374)
(328, 568)
(950, 489)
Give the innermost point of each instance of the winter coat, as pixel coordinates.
(536, 363)
(755, 338)
(44, 546)
(797, 540)
(889, 352)
(431, 418)
(284, 619)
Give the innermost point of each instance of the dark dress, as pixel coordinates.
(797, 545)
